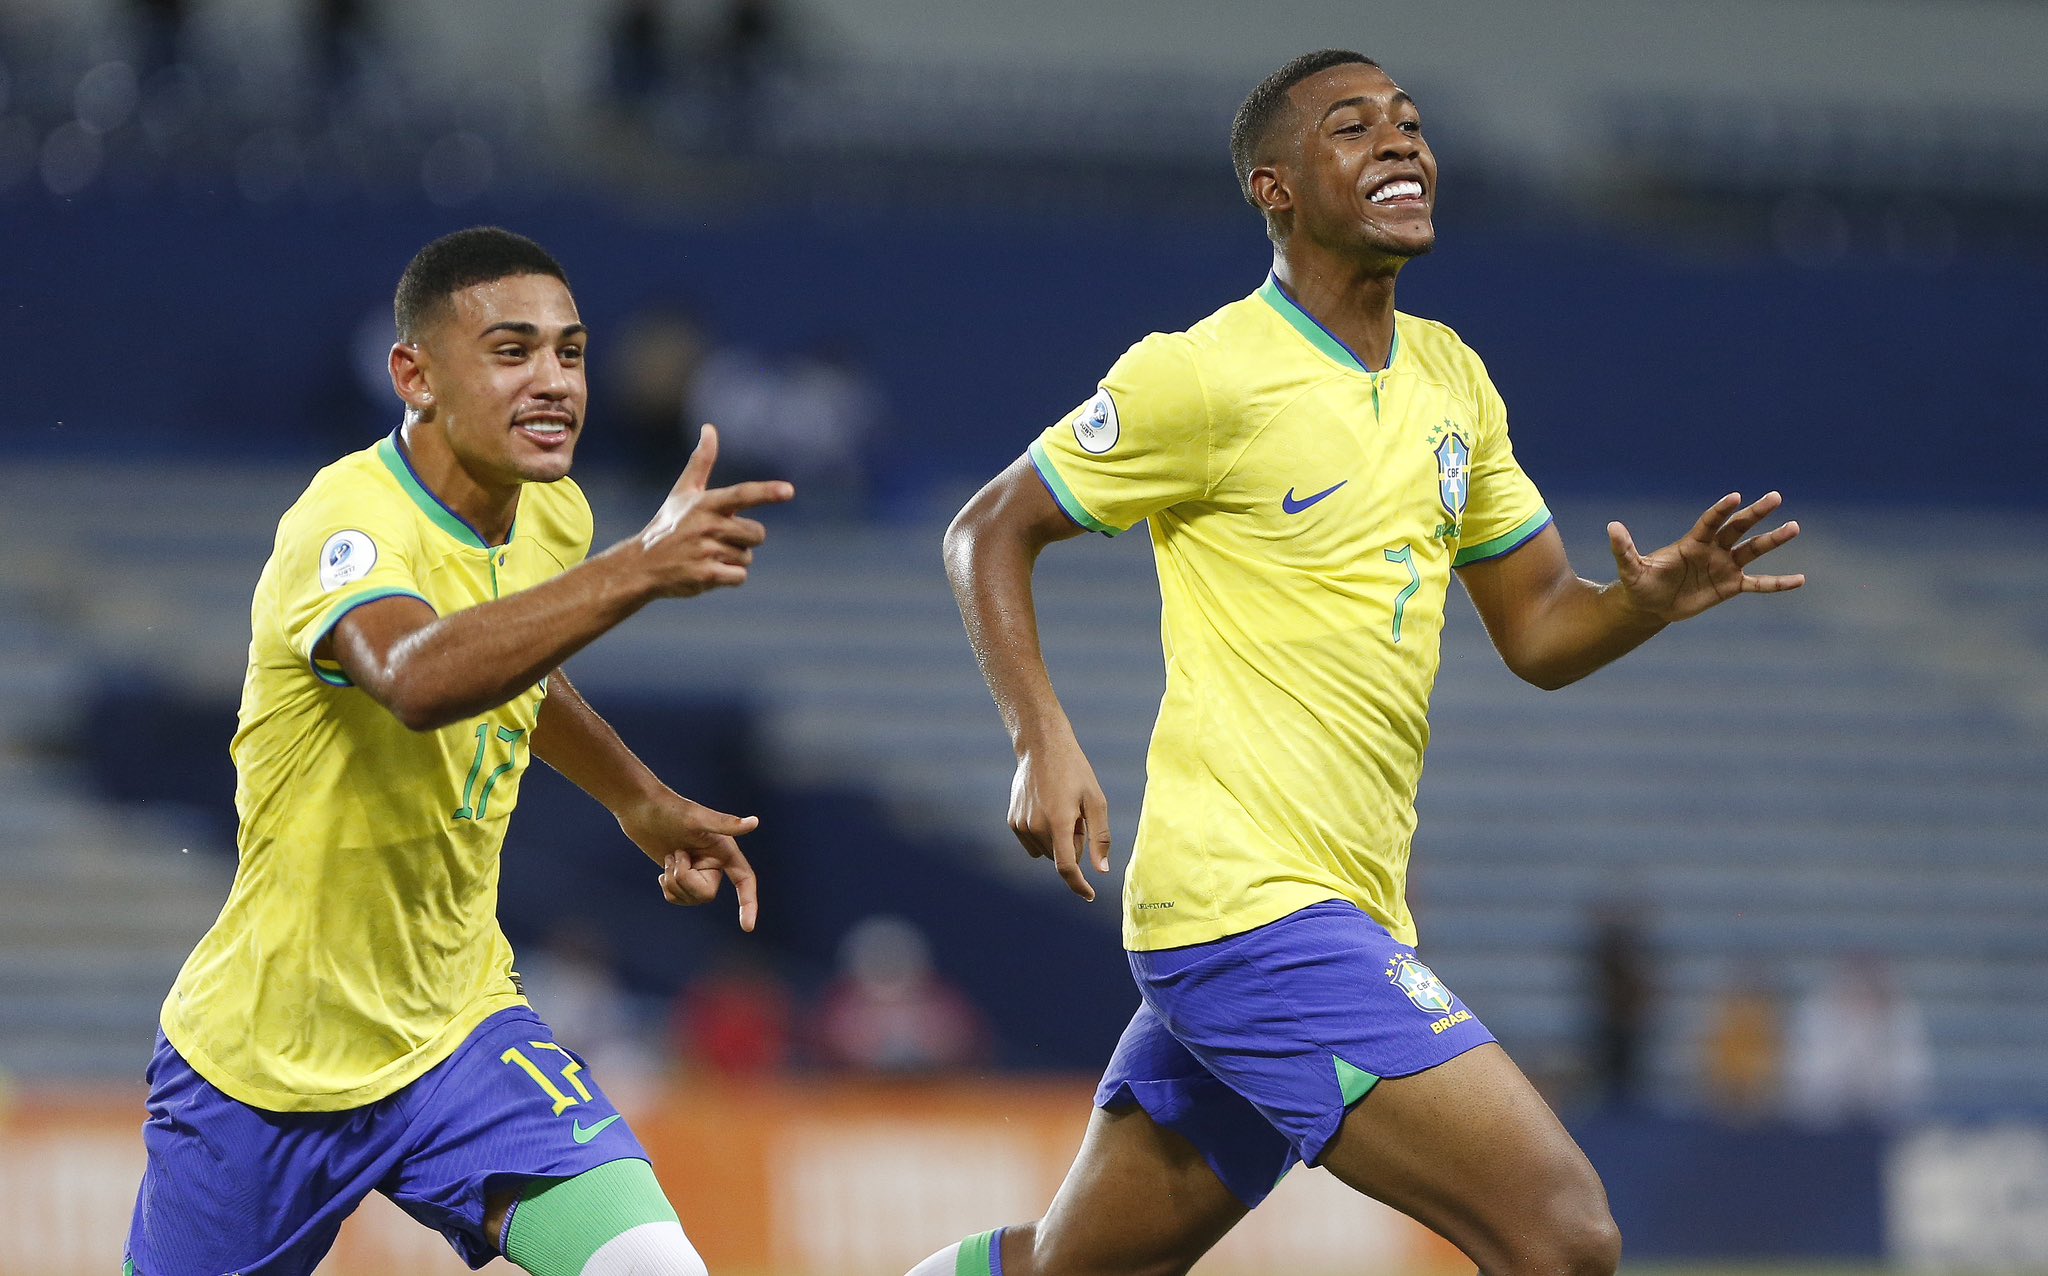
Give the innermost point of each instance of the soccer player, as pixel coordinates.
(352, 1022)
(1314, 465)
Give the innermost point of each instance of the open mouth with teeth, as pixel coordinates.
(545, 432)
(1402, 190)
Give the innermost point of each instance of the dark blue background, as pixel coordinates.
(1628, 367)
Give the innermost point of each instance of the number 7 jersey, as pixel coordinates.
(1306, 513)
(360, 944)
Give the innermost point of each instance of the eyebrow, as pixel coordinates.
(1400, 96)
(520, 328)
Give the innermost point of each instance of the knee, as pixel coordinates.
(1580, 1242)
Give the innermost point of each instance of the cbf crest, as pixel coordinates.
(1453, 470)
(1420, 983)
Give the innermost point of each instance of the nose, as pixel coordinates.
(551, 377)
(1392, 142)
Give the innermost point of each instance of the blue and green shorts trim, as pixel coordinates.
(1254, 1047)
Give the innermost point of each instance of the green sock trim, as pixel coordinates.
(973, 1259)
(560, 1223)
(1353, 1082)
(127, 1267)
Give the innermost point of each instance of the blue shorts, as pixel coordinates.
(232, 1188)
(1253, 1047)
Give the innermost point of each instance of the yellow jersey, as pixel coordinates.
(360, 944)
(1306, 513)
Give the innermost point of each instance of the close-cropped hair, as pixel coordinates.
(1263, 107)
(461, 260)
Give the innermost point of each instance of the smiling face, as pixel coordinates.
(1350, 169)
(501, 370)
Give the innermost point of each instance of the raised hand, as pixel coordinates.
(698, 539)
(696, 848)
(1707, 565)
(1057, 808)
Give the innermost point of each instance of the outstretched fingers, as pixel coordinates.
(1711, 522)
(740, 496)
(1772, 584)
(741, 875)
(696, 475)
(1624, 548)
(1738, 526)
(1757, 546)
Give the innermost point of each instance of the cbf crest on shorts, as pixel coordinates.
(1454, 471)
(1420, 983)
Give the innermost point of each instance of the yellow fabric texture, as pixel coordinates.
(1290, 490)
(360, 943)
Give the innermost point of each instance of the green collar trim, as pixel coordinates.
(392, 453)
(1275, 295)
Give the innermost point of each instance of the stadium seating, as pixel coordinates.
(1782, 783)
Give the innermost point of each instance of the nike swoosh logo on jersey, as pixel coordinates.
(582, 1135)
(1292, 506)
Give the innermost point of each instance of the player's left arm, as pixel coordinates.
(1553, 628)
(694, 844)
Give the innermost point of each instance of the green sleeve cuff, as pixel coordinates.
(1506, 543)
(1070, 504)
(331, 674)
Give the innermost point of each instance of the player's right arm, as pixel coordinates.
(1056, 804)
(431, 670)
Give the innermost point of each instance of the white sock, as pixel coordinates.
(651, 1249)
(944, 1263)
(984, 1257)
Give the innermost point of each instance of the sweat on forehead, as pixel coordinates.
(462, 260)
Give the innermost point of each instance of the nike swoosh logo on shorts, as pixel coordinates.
(582, 1135)
(1292, 506)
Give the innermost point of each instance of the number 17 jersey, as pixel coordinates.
(360, 944)
(1306, 513)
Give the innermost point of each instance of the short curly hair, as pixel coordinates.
(1249, 130)
(461, 260)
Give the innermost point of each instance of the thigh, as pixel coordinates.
(228, 1187)
(511, 1106)
(1306, 1014)
(1472, 1151)
(1140, 1200)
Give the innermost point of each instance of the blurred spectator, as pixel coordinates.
(736, 1020)
(1859, 1049)
(341, 41)
(640, 42)
(159, 33)
(889, 1012)
(753, 40)
(1743, 1050)
(806, 419)
(653, 377)
(1623, 987)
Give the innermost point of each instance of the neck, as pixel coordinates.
(486, 506)
(1353, 299)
